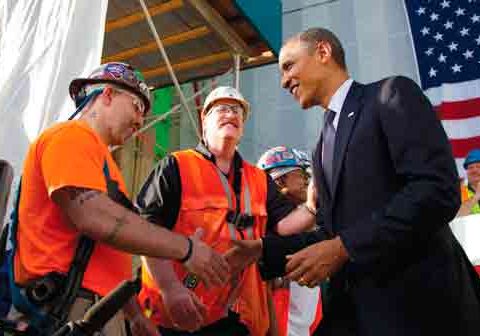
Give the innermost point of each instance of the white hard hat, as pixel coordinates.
(226, 92)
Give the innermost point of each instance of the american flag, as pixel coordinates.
(446, 38)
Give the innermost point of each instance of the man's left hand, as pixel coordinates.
(317, 262)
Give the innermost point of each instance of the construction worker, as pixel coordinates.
(211, 189)
(76, 229)
(471, 190)
(298, 309)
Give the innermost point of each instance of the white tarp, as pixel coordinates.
(467, 231)
(43, 45)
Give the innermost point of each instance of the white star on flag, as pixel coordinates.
(464, 31)
(438, 37)
(453, 46)
(468, 54)
(457, 68)
(445, 4)
(446, 39)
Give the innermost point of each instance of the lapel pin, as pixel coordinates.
(350, 114)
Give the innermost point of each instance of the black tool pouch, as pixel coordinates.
(44, 290)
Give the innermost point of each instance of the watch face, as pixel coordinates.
(190, 281)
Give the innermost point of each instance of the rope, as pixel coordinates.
(169, 67)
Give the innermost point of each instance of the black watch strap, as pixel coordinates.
(189, 251)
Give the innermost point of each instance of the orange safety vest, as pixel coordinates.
(206, 199)
(467, 194)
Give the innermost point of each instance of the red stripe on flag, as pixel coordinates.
(459, 109)
(461, 147)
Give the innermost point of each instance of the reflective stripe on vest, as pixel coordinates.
(246, 201)
(235, 282)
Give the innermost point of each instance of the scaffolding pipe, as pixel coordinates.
(169, 67)
(236, 66)
(173, 110)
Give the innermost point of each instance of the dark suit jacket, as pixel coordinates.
(395, 189)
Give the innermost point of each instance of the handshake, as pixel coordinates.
(215, 269)
(308, 266)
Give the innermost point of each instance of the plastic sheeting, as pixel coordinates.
(43, 45)
(467, 231)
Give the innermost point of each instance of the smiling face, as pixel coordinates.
(296, 183)
(309, 72)
(298, 68)
(223, 121)
(473, 174)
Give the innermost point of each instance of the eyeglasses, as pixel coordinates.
(301, 173)
(136, 101)
(223, 109)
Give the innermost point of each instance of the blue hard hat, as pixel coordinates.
(280, 160)
(472, 157)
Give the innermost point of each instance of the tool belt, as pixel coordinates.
(49, 288)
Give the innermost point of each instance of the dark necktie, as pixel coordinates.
(328, 147)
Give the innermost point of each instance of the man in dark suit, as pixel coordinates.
(387, 188)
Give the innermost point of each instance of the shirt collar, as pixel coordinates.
(338, 99)
(202, 149)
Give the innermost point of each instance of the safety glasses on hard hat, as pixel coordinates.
(223, 109)
(136, 101)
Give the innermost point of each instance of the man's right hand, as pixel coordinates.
(184, 307)
(206, 263)
(243, 254)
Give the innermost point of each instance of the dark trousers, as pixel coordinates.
(228, 326)
(339, 317)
